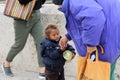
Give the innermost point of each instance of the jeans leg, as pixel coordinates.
(112, 74)
(21, 35)
(37, 32)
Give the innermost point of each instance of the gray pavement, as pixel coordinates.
(25, 75)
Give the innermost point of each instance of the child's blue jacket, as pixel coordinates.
(52, 54)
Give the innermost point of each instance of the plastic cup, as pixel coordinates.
(67, 55)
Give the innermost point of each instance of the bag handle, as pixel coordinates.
(84, 66)
(96, 55)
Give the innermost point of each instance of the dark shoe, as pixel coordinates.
(41, 75)
(7, 71)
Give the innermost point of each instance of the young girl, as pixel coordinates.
(52, 54)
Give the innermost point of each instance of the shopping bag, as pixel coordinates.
(14, 9)
(93, 70)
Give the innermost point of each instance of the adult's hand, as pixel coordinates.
(63, 43)
(90, 49)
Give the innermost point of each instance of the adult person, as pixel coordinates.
(22, 30)
(91, 23)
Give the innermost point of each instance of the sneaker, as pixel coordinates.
(7, 71)
(41, 75)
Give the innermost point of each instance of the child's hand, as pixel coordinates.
(63, 48)
(90, 49)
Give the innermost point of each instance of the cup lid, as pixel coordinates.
(67, 55)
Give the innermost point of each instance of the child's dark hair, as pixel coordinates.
(49, 28)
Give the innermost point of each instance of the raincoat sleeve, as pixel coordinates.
(68, 36)
(92, 19)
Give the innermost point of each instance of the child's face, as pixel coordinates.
(54, 34)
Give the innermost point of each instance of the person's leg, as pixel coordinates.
(61, 75)
(37, 32)
(21, 34)
(50, 75)
(112, 74)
